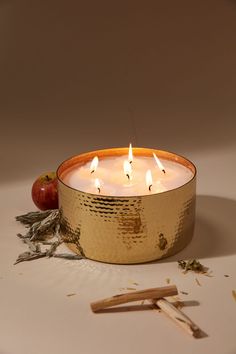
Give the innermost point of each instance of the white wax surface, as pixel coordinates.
(114, 182)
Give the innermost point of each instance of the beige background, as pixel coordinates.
(77, 76)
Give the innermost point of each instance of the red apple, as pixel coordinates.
(44, 191)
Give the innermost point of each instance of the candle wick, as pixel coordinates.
(92, 171)
(128, 176)
(150, 187)
(130, 162)
(164, 171)
(99, 190)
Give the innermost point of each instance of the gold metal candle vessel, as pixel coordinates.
(127, 229)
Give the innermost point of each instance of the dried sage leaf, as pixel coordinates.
(53, 248)
(29, 256)
(40, 224)
(32, 246)
(32, 217)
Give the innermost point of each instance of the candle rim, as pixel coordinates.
(122, 151)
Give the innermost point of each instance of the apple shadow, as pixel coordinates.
(215, 230)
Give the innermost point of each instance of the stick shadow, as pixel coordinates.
(142, 307)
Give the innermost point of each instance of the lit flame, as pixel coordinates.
(130, 156)
(159, 164)
(127, 169)
(149, 179)
(94, 164)
(97, 185)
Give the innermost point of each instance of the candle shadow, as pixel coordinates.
(214, 234)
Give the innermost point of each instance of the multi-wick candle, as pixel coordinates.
(127, 205)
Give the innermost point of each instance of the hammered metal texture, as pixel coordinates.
(128, 229)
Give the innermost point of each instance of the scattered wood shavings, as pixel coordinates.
(175, 298)
(198, 282)
(184, 292)
(157, 309)
(180, 319)
(209, 275)
(122, 289)
(226, 275)
(177, 302)
(72, 294)
(167, 280)
(131, 281)
(234, 294)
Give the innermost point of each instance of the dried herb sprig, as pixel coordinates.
(41, 225)
(30, 218)
(192, 265)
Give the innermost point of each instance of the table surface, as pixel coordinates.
(38, 316)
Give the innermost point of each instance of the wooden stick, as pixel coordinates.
(178, 316)
(134, 296)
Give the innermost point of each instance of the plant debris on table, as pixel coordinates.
(184, 292)
(168, 280)
(234, 294)
(198, 282)
(193, 265)
(43, 230)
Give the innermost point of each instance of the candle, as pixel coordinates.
(128, 175)
(127, 205)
